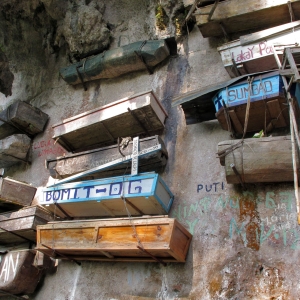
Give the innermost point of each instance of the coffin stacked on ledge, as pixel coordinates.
(18, 123)
(140, 114)
(156, 239)
(68, 165)
(268, 108)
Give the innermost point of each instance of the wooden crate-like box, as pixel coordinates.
(259, 160)
(143, 194)
(69, 165)
(136, 115)
(21, 117)
(117, 239)
(23, 222)
(18, 274)
(14, 149)
(16, 192)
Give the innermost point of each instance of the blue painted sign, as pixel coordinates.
(142, 194)
(262, 87)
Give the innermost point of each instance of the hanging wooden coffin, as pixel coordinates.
(68, 165)
(18, 275)
(21, 117)
(19, 226)
(254, 53)
(143, 55)
(110, 197)
(16, 192)
(117, 239)
(258, 160)
(234, 16)
(139, 114)
(268, 104)
(14, 149)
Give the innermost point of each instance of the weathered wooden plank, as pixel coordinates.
(22, 222)
(275, 114)
(164, 238)
(17, 273)
(68, 165)
(236, 16)
(259, 160)
(143, 194)
(21, 117)
(16, 192)
(14, 149)
(112, 63)
(85, 132)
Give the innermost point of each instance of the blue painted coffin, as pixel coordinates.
(268, 108)
(263, 87)
(143, 194)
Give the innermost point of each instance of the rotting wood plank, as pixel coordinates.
(68, 165)
(259, 160)
(159, 236)
(236, 16)
(84, 131)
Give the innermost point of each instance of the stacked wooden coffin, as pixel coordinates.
(143, 233)
(21, 267)
(19, 122)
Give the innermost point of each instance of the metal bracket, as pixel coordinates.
(80, 77)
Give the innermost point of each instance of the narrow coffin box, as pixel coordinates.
(135, 115)
(117, 239)
(68, 165)
(23, 222)
(16, 192)
(18, 274)
(109, 197)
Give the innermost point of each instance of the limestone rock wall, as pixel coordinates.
(245, 243)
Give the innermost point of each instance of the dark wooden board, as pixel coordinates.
(102, 126)
(68, 165)
(259, 160)
(113, 239)
(21, 117)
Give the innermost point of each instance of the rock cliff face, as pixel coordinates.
(245, 243)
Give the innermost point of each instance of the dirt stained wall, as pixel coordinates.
(245, 243)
